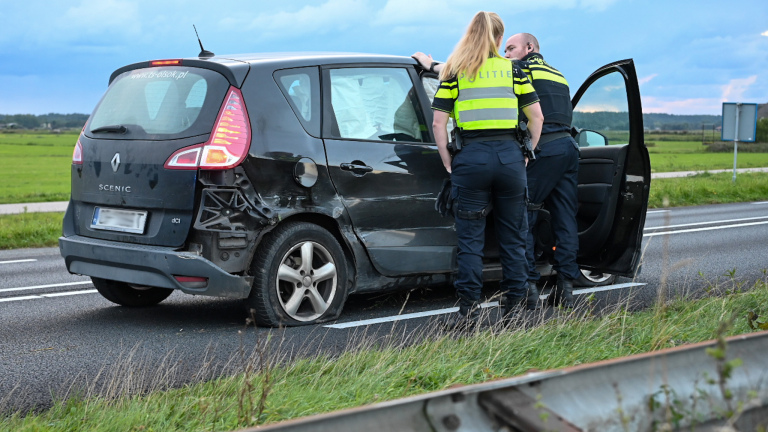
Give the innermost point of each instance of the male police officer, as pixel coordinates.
(553, 176)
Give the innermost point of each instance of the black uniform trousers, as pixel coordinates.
(553, 180)
(486, 172)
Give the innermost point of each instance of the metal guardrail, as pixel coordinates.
(680, 386)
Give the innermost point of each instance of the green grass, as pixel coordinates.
(708, 188)
(29, 230)
(669, 162)
(374, 372)
(670, 147)
(35, 167)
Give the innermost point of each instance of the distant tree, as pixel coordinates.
(30, 121)
(762, 130)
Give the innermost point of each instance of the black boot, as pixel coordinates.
(466, 318)
(532, 296)
(511, 307)
(562, 294)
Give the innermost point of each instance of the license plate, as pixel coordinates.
(131, 221)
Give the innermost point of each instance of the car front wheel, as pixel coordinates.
(128, 295)
(300, 277)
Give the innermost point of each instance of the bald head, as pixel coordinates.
(520, 45)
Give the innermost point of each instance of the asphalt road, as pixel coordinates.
(57, 334)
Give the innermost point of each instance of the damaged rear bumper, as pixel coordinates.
(149, 266)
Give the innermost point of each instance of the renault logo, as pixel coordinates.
(116, 162)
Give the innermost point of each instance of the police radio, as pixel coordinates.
(456, 143)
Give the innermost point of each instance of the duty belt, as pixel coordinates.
(549, 137)
(498, 137)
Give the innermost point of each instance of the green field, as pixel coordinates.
(35, 167)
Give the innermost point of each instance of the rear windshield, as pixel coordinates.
(159, 103)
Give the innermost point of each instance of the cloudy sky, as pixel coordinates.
(691, 55)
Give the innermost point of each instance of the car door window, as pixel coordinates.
(602, 114)
(301, 87)
(376, 104)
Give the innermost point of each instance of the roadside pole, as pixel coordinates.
(736, 142)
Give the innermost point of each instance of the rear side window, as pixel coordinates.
(376, 104)
(301, 87)
(161, 103)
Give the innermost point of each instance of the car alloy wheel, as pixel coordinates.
(306, 281)
(300, 276)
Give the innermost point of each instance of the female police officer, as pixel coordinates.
(483, 91)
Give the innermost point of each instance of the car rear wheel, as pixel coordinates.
(128, 295)
(590, 278)
(300, 277)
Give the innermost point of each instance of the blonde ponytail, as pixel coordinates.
(475, 47)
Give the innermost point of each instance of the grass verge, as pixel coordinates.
(29, 230)
(374, 372)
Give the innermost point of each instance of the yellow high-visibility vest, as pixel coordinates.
(487, 100)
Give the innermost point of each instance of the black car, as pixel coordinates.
(293, 180)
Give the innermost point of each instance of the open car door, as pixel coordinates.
(614, 170)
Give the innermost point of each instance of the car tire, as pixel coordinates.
(290, 290)
(588, 278)
(127, 295)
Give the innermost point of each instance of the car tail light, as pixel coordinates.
(229, 141)
(186, 158)
(175, 62)
(192, 281)
(231, 135)
(77, 153)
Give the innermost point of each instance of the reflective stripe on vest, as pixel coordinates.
(488, 101)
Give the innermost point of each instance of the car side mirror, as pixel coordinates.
(588, 138)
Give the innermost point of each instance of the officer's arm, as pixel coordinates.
(426, 62)
(535, 122)
(439, 124)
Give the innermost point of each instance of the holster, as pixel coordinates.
(524, 138)
(456, 143)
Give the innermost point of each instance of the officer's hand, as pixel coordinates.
(424, 60)
(526, 161)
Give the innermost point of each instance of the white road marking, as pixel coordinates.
(762, 202)
(402, 317)
(18, 261)
(704, 229)
(60, 294)
(44, 286)
(656, 211)
(454, 309)
(706, 223)
(33, 297)
(608, 287)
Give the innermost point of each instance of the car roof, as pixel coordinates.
(235, 66)
(284, 58)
